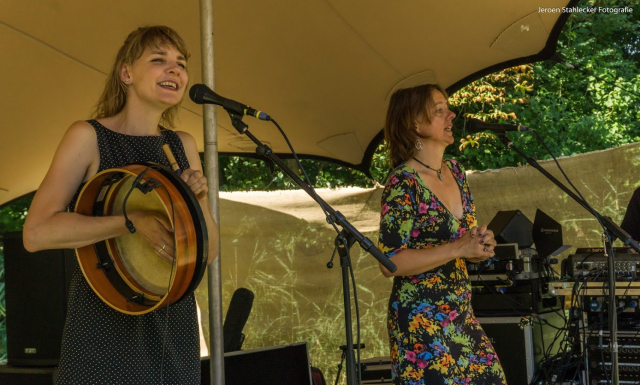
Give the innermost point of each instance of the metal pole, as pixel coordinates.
(216, 342)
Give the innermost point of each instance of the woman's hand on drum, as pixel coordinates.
(197, 182)
(477, 244)
(156, 230)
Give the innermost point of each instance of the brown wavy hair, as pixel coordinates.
(114, 95)
(405, 107)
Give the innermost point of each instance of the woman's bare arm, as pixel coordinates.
(48, 225)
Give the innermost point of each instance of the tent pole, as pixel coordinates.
(216, 343)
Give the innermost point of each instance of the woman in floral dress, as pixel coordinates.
(428, 229)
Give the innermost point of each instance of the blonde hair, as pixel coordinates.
(405, 107)
(114, 95)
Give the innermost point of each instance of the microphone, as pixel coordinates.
(558, 58)
(201, 94)
(237, 315)
(474, 126)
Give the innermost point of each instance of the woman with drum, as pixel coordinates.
(428, 229)
(142, 95)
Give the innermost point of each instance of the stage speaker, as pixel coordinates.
(512, 227)
(26, 376)
(521, 345)
(36, 287)
(275, 365)
(546, 234)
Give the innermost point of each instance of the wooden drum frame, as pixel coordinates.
(115, 268)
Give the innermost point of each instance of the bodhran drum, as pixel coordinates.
(125, 272)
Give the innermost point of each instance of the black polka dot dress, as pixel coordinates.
(103, 346)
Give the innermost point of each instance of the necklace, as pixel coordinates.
(438, 171)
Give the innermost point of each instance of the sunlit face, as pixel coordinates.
(158, 77)
(439, 130)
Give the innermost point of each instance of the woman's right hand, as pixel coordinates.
(476, 245)
(156, 230)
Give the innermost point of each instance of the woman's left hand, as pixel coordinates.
(197, 182)
(487, 239)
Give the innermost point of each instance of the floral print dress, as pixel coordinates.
(434, 336)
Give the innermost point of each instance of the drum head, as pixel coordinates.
(140, 260)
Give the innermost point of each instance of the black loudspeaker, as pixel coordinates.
(36, 287)
(512, 227)
(275, 365)
(547, 234)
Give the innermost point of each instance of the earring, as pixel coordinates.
(128, 81)
(418, 145)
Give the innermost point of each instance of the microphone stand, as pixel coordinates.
(344, 240)
(611, 232)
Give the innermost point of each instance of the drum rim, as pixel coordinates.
(199, 227)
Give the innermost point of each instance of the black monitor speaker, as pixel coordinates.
(36, 287)
(547, 234)
(512, 227)
(275, 365)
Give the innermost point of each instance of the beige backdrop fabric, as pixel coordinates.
(277, 244)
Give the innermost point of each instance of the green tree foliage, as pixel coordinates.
(247, 174)
(575, 111)
(492, 98)
(12, 215)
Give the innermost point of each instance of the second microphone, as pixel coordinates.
(474, 126)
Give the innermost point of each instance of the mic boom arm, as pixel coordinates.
(607, 222)
(333, 215)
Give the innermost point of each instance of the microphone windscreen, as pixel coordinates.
(237, 315)
(197, 92)
(474, 126)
